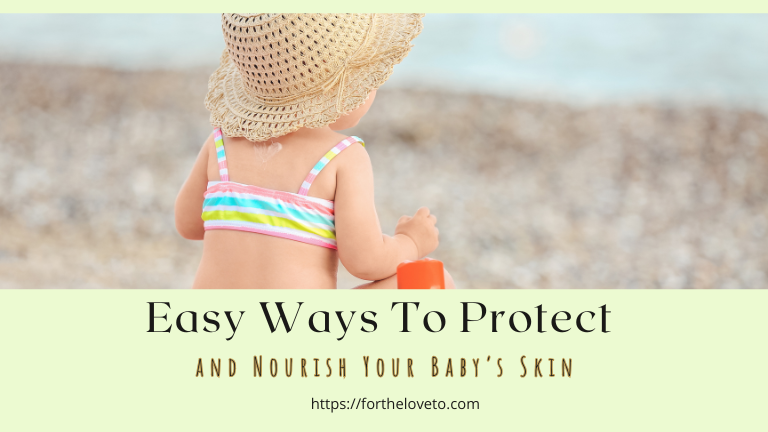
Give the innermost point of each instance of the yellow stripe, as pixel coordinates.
(275, 221)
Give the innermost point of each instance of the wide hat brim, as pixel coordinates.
(240, 113)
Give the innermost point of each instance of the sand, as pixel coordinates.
(529, 194)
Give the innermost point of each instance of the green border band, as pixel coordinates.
(492, 6)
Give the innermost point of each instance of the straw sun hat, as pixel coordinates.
(281, 72)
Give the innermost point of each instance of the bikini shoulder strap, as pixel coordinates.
(324, 161)
(218, 139)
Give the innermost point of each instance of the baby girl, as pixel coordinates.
(283, 195)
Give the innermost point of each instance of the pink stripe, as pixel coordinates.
(217, 133)
(223, 165)
(224, 177)
(344, 144)
(303, 191)
(261, 192)
(274, 234)
(310, 178)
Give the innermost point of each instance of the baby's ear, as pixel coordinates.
(338, 124)
(352, 118)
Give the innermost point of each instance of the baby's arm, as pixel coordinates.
(365, 252)
(189, 202)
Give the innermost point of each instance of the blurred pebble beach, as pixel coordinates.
(529, 193)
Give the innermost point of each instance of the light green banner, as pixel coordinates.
(487, 6)
(647, 360)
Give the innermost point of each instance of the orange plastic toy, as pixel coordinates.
(425, 273)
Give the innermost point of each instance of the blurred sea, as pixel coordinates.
(579, 58)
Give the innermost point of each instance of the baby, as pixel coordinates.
(284, 196)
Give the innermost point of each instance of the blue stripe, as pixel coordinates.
(263, 205)
(220, 153)
(319, 166)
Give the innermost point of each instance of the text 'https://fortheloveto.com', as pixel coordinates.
(389, 404)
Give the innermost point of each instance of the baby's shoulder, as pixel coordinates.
(354, 162)
(354, 152)
(352, 149)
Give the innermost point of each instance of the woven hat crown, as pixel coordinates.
(281, 72)
(281, 55)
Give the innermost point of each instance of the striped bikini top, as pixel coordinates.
(295, 216)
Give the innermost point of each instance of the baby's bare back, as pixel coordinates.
(237, 259)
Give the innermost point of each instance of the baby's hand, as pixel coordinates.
(421, 229)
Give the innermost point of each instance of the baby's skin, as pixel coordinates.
(234, 259)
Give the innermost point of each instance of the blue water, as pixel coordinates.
(585, 57)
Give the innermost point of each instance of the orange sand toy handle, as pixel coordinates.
(422, 274)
